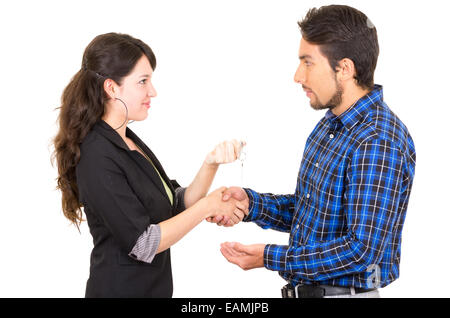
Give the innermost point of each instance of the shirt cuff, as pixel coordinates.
(147, 244)
(251, 199)
(275, 257)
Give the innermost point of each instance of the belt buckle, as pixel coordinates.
(296, 290)
(287, 292)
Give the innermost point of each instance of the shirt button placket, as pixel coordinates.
(301, 241)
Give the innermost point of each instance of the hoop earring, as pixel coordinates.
(126, 109)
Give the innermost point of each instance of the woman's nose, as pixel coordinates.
(152, 91)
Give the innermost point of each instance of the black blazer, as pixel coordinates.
(122, 195)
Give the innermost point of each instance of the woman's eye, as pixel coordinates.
(143, 81)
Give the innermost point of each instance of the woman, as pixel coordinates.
(134, 211)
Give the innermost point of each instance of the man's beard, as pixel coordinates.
(334, 101)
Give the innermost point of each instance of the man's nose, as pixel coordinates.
(299, 76)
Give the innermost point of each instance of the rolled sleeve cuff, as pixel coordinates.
(275, 257)
(147, 244)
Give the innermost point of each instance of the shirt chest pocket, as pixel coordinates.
(327, 178)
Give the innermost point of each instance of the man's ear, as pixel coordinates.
(346, 70)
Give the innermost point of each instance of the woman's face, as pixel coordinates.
(136, 92)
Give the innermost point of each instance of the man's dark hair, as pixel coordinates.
(344, 32)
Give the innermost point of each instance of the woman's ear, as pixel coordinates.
(110, 88)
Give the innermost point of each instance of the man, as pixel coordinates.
(346, 216)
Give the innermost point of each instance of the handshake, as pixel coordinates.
(227, 206)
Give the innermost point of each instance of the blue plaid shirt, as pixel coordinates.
(346, 217)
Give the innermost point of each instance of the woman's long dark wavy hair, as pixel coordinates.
(108, 56)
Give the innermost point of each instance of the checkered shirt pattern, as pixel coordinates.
(346, 216)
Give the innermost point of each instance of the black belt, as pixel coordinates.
(318, 291)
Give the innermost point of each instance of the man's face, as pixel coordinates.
(317, 77)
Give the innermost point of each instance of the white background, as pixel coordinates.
(225, 70)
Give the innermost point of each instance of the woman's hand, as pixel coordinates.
(225, 152)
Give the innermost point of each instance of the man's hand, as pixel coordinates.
(236, 193)
(245, 256)
(240, 195)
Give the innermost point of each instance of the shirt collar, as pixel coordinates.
(357, 112)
